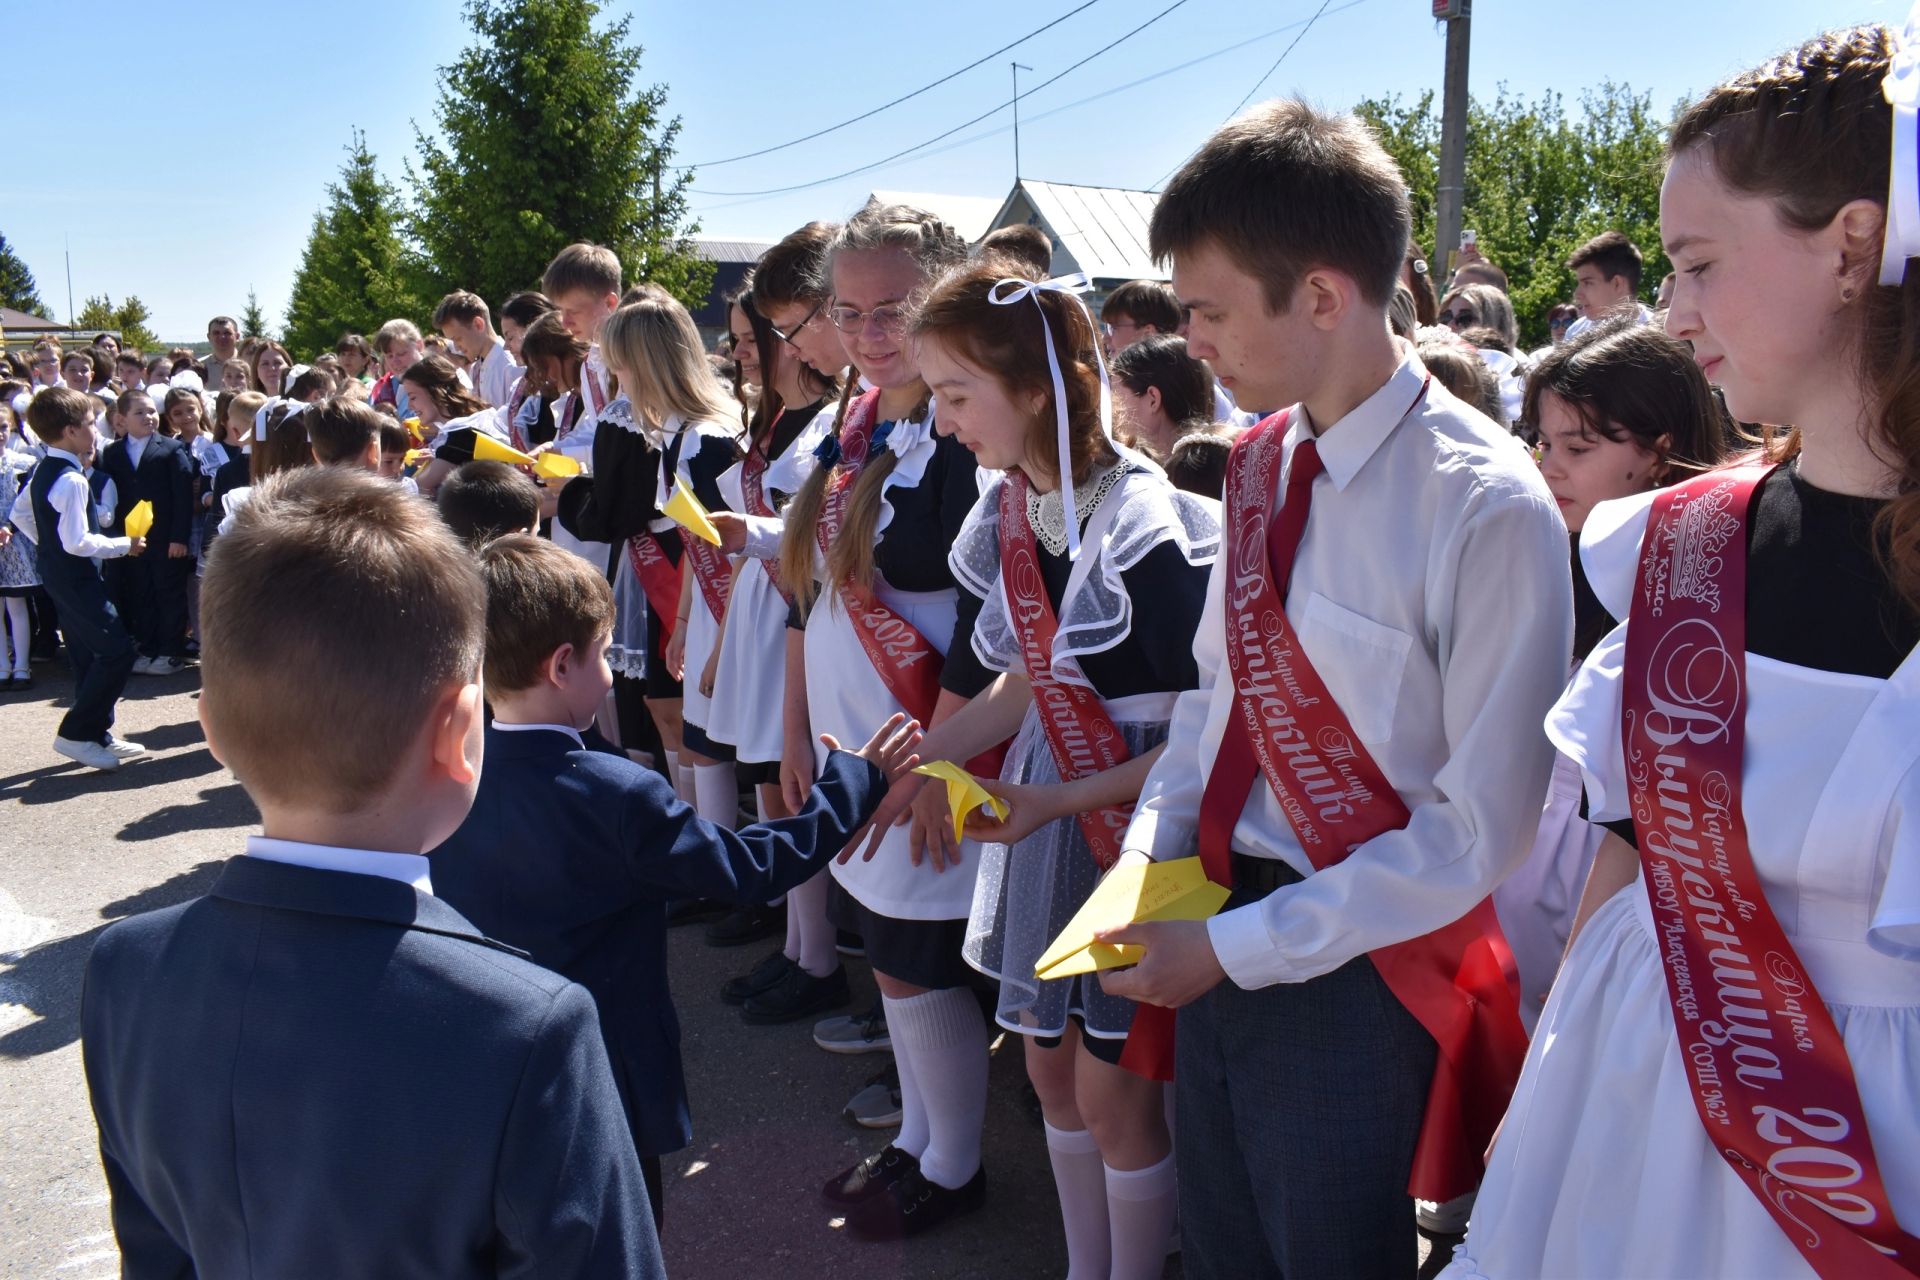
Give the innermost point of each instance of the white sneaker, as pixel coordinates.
(123, 749)
(147, 667)
(91, 754)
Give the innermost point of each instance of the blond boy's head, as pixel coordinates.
(342, 626)
(584, 282)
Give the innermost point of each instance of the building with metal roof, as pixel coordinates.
(1099, 230)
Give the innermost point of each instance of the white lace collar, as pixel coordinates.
(1046, 512)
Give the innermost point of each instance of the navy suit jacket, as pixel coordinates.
(164, 478)
(574, 854)
(315, 1073)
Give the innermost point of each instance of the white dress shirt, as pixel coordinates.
(1640, 315)
(69, 496)
(497, 373)
(567, 729)
(137, 448)
(1431, 592)
(407, 868)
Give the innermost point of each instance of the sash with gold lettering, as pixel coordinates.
(1769, 1073)
(712, 572)
(1458, 980)
(1080, 733)
(753, 486)
(906, 661)
(659, 578)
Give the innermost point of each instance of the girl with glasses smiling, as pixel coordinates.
(864, 554)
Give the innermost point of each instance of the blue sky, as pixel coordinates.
(218, 139)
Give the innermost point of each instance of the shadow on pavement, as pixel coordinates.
(67, 781)
(46, 979)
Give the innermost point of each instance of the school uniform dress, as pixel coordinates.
(322, 1069)
(1429, 591)
(923, 505)
(68, 545)
(17, 573)
(1603, 1167)
(750, 678)
(695, 454)
(153, 586)
(1127, 609)
(604, 509)
(614, 846)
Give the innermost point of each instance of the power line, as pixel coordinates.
(1161, 180)
(965, 124)
(1077, 103)
(821, 133)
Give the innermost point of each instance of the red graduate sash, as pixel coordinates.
(1791, 1124)
(659, 578)
(712, 572)
(906, 661)
(753, 486)
(1459, 980)
(1079, 731)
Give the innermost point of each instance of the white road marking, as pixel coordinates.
(19, 933)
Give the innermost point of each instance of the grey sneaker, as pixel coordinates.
(92, 754)
(124, 749)
(877, 1105)
(855, 1033)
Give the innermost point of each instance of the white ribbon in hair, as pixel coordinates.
(1013, 290)
(1902, 89)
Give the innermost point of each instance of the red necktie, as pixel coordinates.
(1236, 759)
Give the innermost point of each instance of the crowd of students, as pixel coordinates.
(1284, 565)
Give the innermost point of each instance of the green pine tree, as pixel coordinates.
(17, 289)
(546, 139)
(129, 319)
(357, 273)
(253, 321)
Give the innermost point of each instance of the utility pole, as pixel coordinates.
(69, 250)
(1457, 14)
(1018, 67)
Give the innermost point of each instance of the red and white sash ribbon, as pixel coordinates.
(1769, 1072)
(659, 578)
(753, 487)
(712, 573)
(1080, 733)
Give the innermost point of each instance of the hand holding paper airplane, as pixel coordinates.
(1131, 893)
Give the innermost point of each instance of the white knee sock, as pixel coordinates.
(717, 794)
(808, 925)
(947, 1043)
(1078, 1178)
(1140, 1207)
(912, 1138)
(18, 635)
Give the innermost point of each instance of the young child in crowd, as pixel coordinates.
(144, 466)
(344, 433)
(616, 842)
(484, 500)
(18, 575)
(66, 529)
(256, 1121)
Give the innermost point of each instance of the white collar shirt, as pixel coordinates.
(407, 868)
(497, 373)
(567, 729)
(1431, 592)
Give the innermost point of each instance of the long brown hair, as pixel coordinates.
(1009, 343)
(1811, 131)
(436, 376)
(933, 246)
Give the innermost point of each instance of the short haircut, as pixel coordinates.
(591, 268)
(323, 567)
(393, 436)
(485, 499)
(310, 381)
(353, 342)
(539, 597)
(226, 320)
(1613, 254)
(395, 331)
(1145, 302)
(129, 355)
(462, 306)
(1198, 463)
(249, 403)
(340, 430)
(1284, 189)
(1023, 242)
(1480, 273)
(525, 307)
(58, 410)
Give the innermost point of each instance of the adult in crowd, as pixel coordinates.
(1606, 281)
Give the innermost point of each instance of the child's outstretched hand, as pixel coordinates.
(891, 749)
(136, 546)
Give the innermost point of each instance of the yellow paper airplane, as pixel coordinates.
(685, 509)
(416, 457)
(486, 448)
(1133, 894)
(140, 519)
(964, 792)
(554, 465)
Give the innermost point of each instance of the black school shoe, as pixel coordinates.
(870, 1177)
(798, 994)
(747, 924)
(910, 1204)
(762, 976)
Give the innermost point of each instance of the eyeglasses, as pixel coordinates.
(1561, 323)
(786, 335)
(889, 319)
(1457, 319)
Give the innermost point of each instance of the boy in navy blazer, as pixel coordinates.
(321, 1068)
(147, 467)
(573, 854)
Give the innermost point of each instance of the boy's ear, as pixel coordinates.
(456, 733)
(206, 729)
(558, 668)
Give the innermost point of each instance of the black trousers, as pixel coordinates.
(154, 598)
(100, 650)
